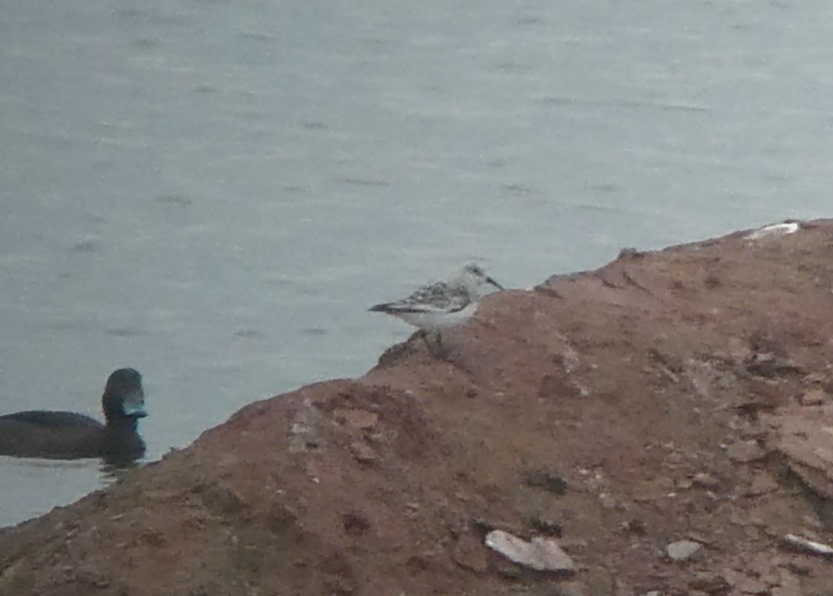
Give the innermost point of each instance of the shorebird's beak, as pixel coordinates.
(489, 280)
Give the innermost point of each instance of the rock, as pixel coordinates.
(363, 452)
(548, 527)
(547, 481)
(541, 554)
(808, 546)
(706, 480)
(305, 431)
(745, 451)
(813, 397)
(710, 583)
(777, 229)
(682, 549)
(771, 365)
(634, 525)
(356, 419)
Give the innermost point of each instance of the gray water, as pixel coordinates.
(214, 192)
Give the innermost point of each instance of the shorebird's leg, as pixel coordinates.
(436, 348)
(424, 335)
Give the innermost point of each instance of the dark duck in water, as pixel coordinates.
(67, 435)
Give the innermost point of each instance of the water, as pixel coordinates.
(213, 192)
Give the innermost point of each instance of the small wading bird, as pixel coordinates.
(442, 305)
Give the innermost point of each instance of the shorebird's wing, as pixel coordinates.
(436, 298)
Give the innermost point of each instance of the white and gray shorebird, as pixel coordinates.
(444, 304)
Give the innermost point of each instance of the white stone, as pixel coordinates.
(542, 554)
(682, 549)
(779, 229)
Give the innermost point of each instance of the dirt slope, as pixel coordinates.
(677, 395)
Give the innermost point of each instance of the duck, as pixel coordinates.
(67, 435)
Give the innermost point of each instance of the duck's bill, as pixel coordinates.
(134, 405)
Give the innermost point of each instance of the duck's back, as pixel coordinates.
(51, 419)
(38, 433)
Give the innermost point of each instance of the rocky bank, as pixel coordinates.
(667, 420)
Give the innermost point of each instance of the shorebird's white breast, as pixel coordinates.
(438, 320)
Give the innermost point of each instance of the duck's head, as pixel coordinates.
(124, 398)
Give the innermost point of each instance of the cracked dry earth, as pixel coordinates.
(667, 419)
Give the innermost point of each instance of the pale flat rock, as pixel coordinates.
(682, 549)
(542, 554)
(776, 229)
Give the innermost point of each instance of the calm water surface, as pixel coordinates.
(213, 192)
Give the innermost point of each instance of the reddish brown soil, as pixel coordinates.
(683, 394)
